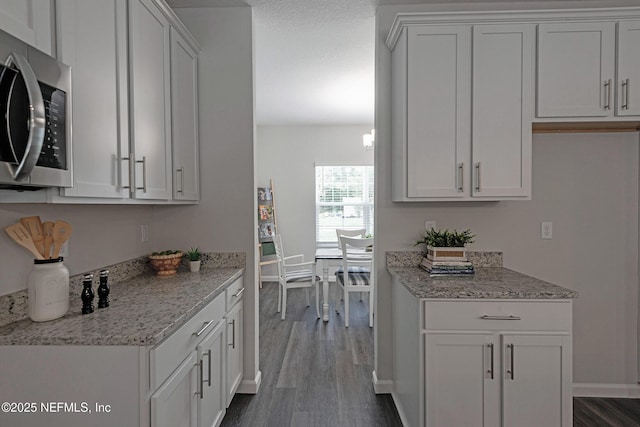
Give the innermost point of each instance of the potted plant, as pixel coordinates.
(166, 262)
(194, 255)
(445, 245)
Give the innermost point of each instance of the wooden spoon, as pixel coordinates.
(21, 236)
(47, 230)
(34, 227)
(61, 232)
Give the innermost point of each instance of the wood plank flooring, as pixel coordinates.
(317, 374)
(314, 373)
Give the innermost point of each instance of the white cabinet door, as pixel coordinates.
(29, 21)
(92, 40)
(576, 64)
(438, 110)
(503, 65)
(536, 380)
(184, 115)
(234, 349)
(212, 403)
(174, 402)
(628, 81)
(462, 380)
(150, 102)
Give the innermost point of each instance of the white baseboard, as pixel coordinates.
(250, 386)
(381, 386)
(606, 390)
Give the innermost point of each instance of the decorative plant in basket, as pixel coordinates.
(445, 245)
(194, 256)
(166, 262)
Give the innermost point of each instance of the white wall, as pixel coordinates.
(288, 154)
(587, 184)
(225, 220)
(102, 235)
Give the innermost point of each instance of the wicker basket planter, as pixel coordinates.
(166, 265)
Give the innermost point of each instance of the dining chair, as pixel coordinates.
(357, 261)
(349, 232)
(294, 275)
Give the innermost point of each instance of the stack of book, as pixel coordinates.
(446, 268)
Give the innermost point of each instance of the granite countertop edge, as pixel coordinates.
(143, 311)
(486, 283)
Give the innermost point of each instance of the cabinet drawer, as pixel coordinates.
(498, 315)
(167, 355)
(234, 292)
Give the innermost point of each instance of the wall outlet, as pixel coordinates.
(429, 224)
(144, 233)
(546, 230)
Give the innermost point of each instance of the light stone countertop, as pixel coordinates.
(487, 282)
(143, 310)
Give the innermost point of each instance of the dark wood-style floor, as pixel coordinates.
(319, 374)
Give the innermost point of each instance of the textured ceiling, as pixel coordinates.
(314, 58)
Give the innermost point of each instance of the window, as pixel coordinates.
(344, 199)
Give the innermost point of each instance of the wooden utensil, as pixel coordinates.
(34, 227)
(47, 230)
(61, 232)
(21, 236)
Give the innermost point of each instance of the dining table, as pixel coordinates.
(329, 258)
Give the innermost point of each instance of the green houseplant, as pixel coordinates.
(194, 256)
(445, 245)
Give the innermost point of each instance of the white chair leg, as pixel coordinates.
(371, 308)
(284, 302)
(306, 291)
(317, 301)
(361, 293)
(346, 307)
(279, 297)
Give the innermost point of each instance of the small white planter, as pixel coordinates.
(446, 254)
(194, 266)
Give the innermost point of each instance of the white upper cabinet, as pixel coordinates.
(588, 70)
(462, 131)
(30, 21)
(150, 101)
(92, 39)
(437, 119)
(184, 114)
(628, 76)
(576, 69)
(502, 110)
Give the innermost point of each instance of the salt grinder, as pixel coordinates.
(87, 294)
(103, 289)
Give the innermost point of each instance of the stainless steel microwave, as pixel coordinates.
(35, 118)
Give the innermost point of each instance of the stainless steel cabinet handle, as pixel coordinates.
(132, 175)
(511, 371)
(201, 392)
(36, 120)
(205, 326)
(509, 317)
(460, 177)
(239, 293)
(490, 371)
(144, 174)
(180, 170)
(477, 168)
(607, 94)
(625, 94)
(233, 333)
(208, 354)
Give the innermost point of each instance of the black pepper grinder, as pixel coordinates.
(103, 289)
(87, 294)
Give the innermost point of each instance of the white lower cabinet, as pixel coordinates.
(174, 403)
(234, 345)
(212, 401)
(485, 363)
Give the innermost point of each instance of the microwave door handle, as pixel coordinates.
(36, 118)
